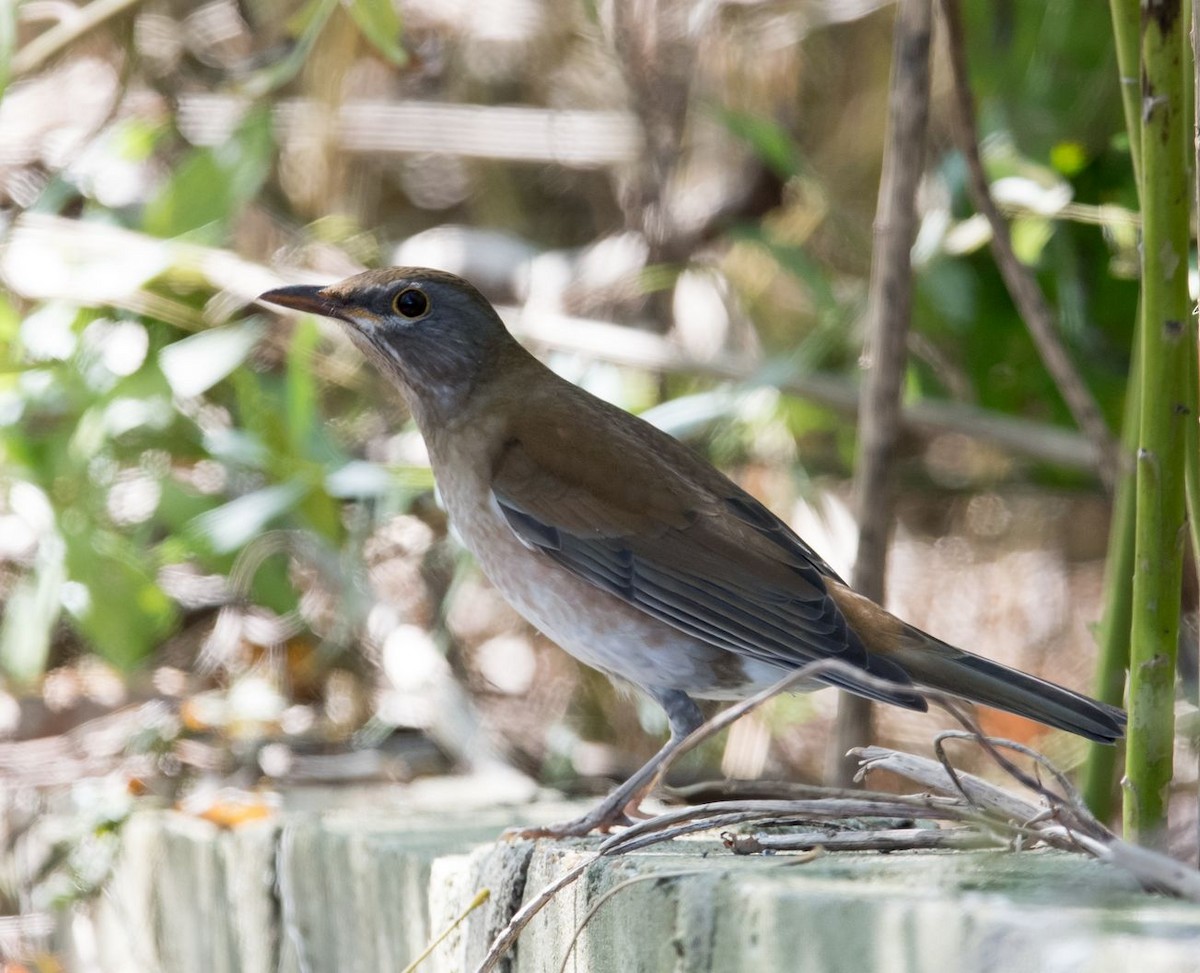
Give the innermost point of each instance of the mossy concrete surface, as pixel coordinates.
(365, 888)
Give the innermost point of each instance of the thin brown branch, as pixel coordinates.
(720, 814)
(889, 309)
(1022, 286)
(507, 937)
(611, 893)
(65, 33)
(889, 839)
(1155, 871)
(812, 670)
(996, 815)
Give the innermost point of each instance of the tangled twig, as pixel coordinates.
(983, 814)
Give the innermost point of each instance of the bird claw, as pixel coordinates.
(576, 828)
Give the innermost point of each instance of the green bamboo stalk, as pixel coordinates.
(1099, 771)
(1191, 481)
(1126, 17)
(1158, 549)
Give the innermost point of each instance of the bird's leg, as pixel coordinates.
(684, 716)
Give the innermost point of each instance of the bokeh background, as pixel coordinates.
(223, 569)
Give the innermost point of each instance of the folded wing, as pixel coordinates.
(692, 550)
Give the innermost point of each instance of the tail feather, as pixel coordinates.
(941, 666)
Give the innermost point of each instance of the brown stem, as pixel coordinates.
(889, 313)
(1022, 287)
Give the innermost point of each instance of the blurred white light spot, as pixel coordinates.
(612, 261)
(208, 476)
(412, 661)
(32, 505)
(435, 181)
(61, 689)
(133, 498)
(506, 21)
(988, 515)
(41, 267)
(170, 681)
(17, 539)
(297, 719)
(12, 407)
(10, 715)
(406, 449)
(1026, 193)
(275, 759)
(255, 699)
(340, 697)
(120, 346)
(124, 414)
(76, 598)
(593, 759)
(490, 258)
(508, 663)
(101, 682)
(48, 333)
(828, 524)
(701, 316)
(968, 236)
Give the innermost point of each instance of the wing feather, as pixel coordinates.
(703, 557)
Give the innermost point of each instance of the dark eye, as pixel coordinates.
(411, 303)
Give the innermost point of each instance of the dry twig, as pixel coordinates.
(65, 33)
(987, 815)
(889, 311)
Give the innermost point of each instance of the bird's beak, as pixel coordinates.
(314, 300)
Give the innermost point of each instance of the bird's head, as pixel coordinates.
(432, 333)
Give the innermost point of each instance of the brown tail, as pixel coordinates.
(940, 666)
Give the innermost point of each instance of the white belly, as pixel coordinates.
(597, 628)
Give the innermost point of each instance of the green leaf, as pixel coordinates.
(380, 23)
(120, 608)
(249, 155)
(198, 194)
(307, 24)
(273, 585)
(211, 184)
(794, 260)
(196, 363)
(234, 524)
(1030, 234)
(301, 388)
(358, 478)
(770, 141)
(8, 41)
(31, 610)
(262, 412)
(176, 507)
(237, 447)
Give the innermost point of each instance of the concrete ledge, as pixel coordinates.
(364, 889)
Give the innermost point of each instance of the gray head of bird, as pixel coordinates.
(429, 331)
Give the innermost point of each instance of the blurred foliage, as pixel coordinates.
(149, 421)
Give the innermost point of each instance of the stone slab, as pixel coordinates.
(363, 888)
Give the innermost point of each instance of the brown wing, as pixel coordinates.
(662, 530)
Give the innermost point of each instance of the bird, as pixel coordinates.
(628, 548)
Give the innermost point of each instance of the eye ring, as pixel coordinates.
(411, 303)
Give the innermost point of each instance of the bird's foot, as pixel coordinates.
(615, 811)
(599, 820)
(622, 806)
